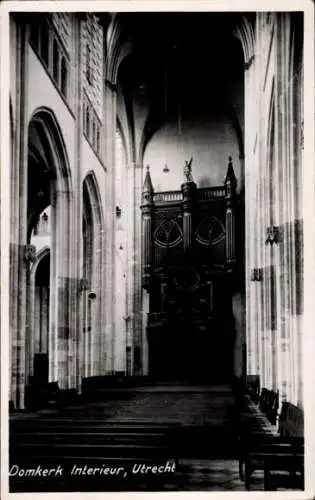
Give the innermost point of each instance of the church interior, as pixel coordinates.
(156, 249)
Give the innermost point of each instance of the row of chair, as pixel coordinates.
(269, 441)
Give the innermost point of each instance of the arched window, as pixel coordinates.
(44, 42)
(92, 232)
(88, 68)
(87, 121)
(44, 223)
(34, 34)
(98, 145)
(56, 61)
(36, 226)
(93, 134)
(119, 168)
(64, 76)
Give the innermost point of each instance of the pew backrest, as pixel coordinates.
(269, 404)
(291, 421)
(253, 387)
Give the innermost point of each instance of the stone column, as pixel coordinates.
(29, 257)
(260, 213)
(300, 242)
(283, 251)
(84, 340)
(35, 328)
(109, 133)
(138, 333)
(130, 265)
(44, 318)
(105, 144)
(250, 166)
(18, 220)
(145, 346)
(75, 316)
(60, 327)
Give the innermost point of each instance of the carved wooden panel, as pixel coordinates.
(210, 231)
(168, 234)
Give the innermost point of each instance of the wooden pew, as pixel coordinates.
(278, 451)
(263, 414)
(269, 404)
(253, 419)
(89, 442)
(49, 395)
(253, 387)
(43, 395)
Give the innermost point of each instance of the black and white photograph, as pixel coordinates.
(154, 321)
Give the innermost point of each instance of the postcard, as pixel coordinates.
(157, 267)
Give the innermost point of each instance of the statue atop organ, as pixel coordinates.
(187, 171)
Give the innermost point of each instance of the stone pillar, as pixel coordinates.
(138, 333)
(300, 242)
(85, 331)
(35, 328)
(145, 346)
(75, 313)
(283, 252)
(29, 256)
(18, 221)
(109, 132)
(237, 308)
(130, 265)
(250, 165)
(256, 205)
(61, 330)
(44, 318)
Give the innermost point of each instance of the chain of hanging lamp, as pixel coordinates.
(166, 168)
(179, 118)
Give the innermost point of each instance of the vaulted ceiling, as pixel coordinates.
(187, 61)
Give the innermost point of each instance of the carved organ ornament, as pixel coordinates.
(190, 221)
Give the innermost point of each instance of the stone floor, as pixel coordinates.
(187, 405)
(211, 475)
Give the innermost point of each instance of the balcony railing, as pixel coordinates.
(204, 194)
(213, 193)
(167, 197)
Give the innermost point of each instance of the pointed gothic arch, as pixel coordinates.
(50, 185)
(39, 308)
(93, 282)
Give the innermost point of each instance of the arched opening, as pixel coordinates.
(88, 244)
(56, 56)
(87, 122)
(174, 114)
(48, 226)
(93, 355)
(40, 291)
(64, 76)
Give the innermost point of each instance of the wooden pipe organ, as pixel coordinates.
(188, 259)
